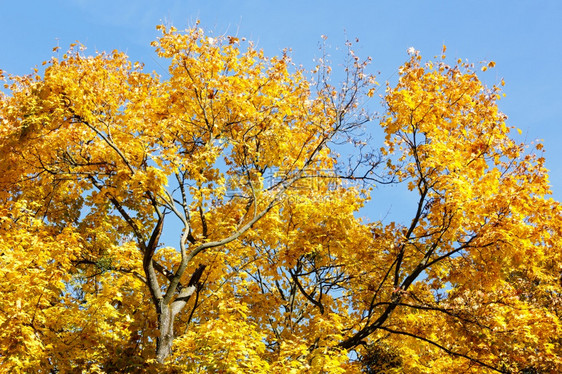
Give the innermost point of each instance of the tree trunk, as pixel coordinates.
(166, 328)
(167, 313)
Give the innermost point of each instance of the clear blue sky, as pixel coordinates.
(524, 38)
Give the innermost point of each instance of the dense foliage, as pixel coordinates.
(231, 157)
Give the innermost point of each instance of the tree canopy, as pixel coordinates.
(267, 266)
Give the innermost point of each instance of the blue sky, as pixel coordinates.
(524, 38)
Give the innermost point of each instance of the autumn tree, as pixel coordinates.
(203, 221)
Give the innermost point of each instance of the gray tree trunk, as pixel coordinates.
(166, 328)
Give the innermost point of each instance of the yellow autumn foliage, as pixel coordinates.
(203, 221)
